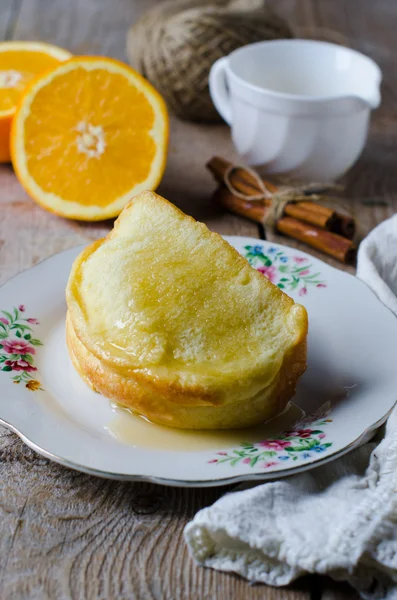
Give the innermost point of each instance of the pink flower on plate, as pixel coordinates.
(4, 320)
(300, 259)
(246, 461)
(274, 444)
(18, 347)
(291, 433)
(303, 291)
(305, 272)
(269, 272)
(20, 365)
(321, 285)
(303, 433)
(266, 465)
(321, 436)
(214, 460)
(33, 321)
(21, 307)
(222, 453)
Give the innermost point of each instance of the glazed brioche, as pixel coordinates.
(166, 318)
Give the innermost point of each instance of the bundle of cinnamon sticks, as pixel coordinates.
(312, 223)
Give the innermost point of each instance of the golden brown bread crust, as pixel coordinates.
(176, 410)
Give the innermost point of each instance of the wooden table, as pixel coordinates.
(67, 535)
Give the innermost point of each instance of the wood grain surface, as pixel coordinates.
(64, 535)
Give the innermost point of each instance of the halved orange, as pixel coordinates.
(89, 135)
(20, 62)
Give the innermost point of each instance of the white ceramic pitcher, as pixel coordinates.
(297, 107)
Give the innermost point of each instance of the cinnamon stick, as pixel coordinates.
(330, 243)
(309, 212)
(255, 211)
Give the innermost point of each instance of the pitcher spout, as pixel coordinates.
(369, 100)
(365, 85)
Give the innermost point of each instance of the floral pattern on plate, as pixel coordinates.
(304, 441)
(18, 347)
(289, 273)
(82, 418)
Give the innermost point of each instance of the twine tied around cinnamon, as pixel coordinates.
(284, 195)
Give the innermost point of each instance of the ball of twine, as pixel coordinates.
(175, 44)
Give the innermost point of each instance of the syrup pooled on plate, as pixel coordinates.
(134, 430)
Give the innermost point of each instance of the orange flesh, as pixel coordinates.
(68, 112)
(17, 68)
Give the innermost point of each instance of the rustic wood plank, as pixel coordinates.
(9, 10)
(374, 177)
(81, 26)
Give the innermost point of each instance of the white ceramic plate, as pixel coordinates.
(348, 390)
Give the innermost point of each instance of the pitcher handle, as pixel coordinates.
(218, 89)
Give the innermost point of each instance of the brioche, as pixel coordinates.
(167, 319)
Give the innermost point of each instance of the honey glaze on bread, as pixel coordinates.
(167, 319)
